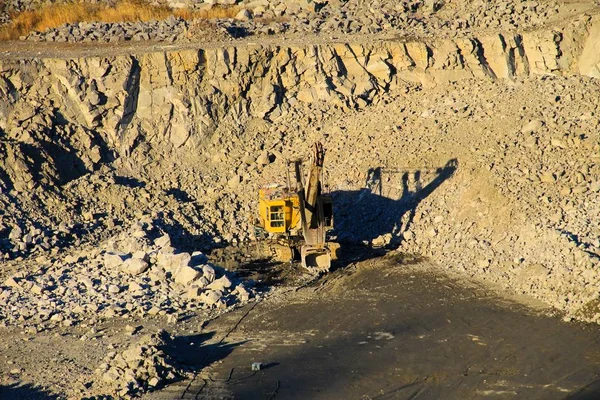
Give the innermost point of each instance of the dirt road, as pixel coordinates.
(381, 329)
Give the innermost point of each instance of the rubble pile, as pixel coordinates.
(296, 18)
(510, 202)
(43, 221)
(142, 367)
(170, 30)
(19, 242)
(136, 273)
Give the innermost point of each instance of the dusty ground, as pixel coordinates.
(382, 329)
(386, 327)
(467, 206)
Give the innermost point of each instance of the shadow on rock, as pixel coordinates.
(179, 195)
(182, 238)
(129, 181)
(25, 392)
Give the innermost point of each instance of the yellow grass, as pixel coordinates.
(55, 15)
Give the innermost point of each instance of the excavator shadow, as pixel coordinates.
(377, 215)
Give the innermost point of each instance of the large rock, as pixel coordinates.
(221, 284)
(186, 275)
(15, 233)
(135, 266)
(172, 262)
(208, 272)
(163, 241)
(589, 62)
(194, 292)
(11, 282)
(242, 293)
(244, 15)
(113, 260)
(532, 126)
(210, 297)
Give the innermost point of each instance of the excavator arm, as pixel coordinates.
(315, 253)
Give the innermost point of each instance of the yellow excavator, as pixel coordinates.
(296, 219)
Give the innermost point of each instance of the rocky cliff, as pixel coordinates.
(194, 132)
(177, 99)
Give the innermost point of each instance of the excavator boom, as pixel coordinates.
(314, 253)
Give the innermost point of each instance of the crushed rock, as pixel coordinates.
(142, 367)
(137, 272)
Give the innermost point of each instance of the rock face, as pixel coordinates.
(90, 143)
(156, 96)
(178, 99)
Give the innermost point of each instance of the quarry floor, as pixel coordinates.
(387, 328)
(391, 327)
(380, 326)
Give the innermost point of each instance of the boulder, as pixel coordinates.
(172, 262)
(208, 272)
(186, 275)
(198, 258)
(163, 241)
(382, 240)
(11, 282)
(135, 266)
(210, 297)
(244, 15)
(113, 289)
(15, 233)
(194, 292)
(220, 284)
(113, 259)
(142, 255)
(242, 293)
(532, 126)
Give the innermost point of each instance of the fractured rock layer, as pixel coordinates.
(95, 140)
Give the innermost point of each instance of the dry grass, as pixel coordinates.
(55, 15)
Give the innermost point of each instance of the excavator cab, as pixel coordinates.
(276, 217)
(278, 209)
